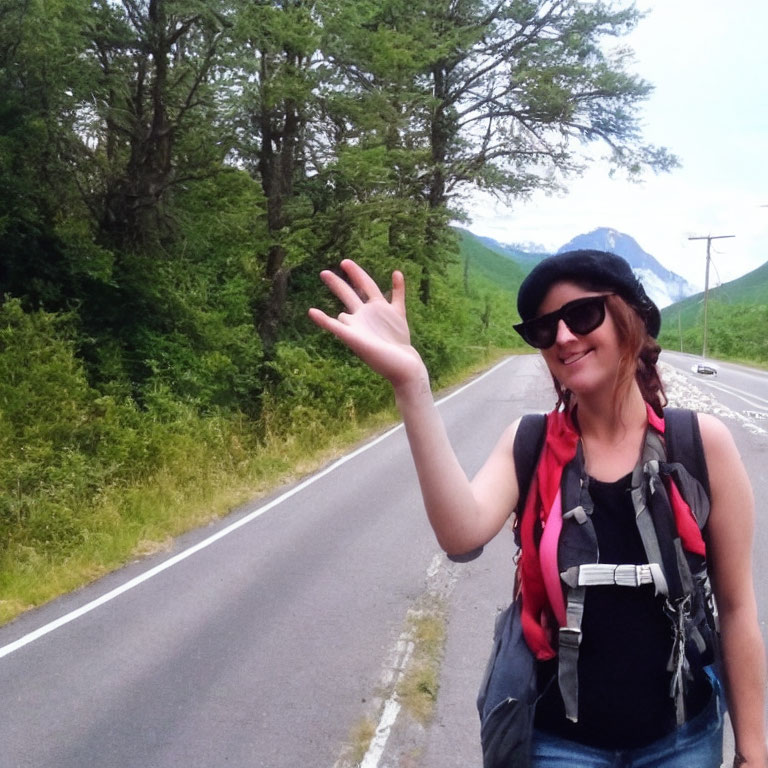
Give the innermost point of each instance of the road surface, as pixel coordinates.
(266, 639)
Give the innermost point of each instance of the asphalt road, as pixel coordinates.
(264, 640)
(740, 389)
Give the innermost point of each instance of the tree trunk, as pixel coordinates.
(439, 138)
(278, 162)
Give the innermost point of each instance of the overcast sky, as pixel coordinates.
(708, 63)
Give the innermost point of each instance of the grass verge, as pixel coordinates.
(418, 688)
(197, 485)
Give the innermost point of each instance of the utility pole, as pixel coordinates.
(709, 239)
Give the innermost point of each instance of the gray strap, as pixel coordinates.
(653, 448)
(643, 516)
(577, 578)
(578, 513)
(678, 662)
(568, 653)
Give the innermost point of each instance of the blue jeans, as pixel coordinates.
(696, 744)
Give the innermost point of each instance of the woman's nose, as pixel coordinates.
(564, 333)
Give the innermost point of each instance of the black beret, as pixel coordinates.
(598, 270)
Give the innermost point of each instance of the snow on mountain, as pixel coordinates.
(663, 286)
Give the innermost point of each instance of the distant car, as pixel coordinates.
(706, 369)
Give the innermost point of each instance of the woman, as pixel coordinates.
(594, 325)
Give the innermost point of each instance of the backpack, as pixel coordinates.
(683, 439)
(507, 697)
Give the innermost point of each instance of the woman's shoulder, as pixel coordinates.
(711, 425)
(724, 462)
(715, 435)
(711, 429)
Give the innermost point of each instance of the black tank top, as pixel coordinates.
(624, 699)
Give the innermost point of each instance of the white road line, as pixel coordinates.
(394, 674)
(379, 741)
(754, 400)
(684, 393)
(135, 582)
(389, 714)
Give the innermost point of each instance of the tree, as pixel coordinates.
(501, 96)
(526, 85)
(155, 58)
(43, 77)
(278, 42)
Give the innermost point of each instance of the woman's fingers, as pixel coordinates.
(363, 283)
(336, 327)
(342, 290)
(318, 317)
(346, 333)
(361, 286)
(367, 310)
(398, 291)
(375, 329)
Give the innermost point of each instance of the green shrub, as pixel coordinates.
(313, 394)
(63, 446)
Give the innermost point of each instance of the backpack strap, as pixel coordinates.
(529, 440)
(668, 568)
(684, 445)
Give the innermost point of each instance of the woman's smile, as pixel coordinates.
(574, 357)
(582, 363)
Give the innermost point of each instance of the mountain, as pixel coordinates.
(525, 254)
(737, 318)
(662, 285)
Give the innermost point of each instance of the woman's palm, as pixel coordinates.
(373, 328)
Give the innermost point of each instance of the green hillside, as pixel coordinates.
(527, 260)
(751, 288)
(501, 270)
(737, 320)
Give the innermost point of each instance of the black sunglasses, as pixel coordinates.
(582, 316)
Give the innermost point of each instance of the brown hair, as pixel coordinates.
(639, 353)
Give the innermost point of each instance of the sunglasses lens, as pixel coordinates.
(541, 333)
(584, 317)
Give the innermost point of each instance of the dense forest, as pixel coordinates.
(735, 331)
(173, 176)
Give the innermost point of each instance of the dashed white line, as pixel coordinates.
(388, 718)
(440, 581)
(682, 392)
(754, 400)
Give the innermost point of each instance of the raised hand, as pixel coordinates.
(375, 329)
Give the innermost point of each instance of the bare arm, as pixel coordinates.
(463, 515)
(730, 534)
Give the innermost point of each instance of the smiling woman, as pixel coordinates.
(595, 281)
(629, 633)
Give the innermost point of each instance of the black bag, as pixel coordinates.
(507, 698)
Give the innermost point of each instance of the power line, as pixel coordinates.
(709, 239)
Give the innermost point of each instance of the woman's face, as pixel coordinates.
(585, 364)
